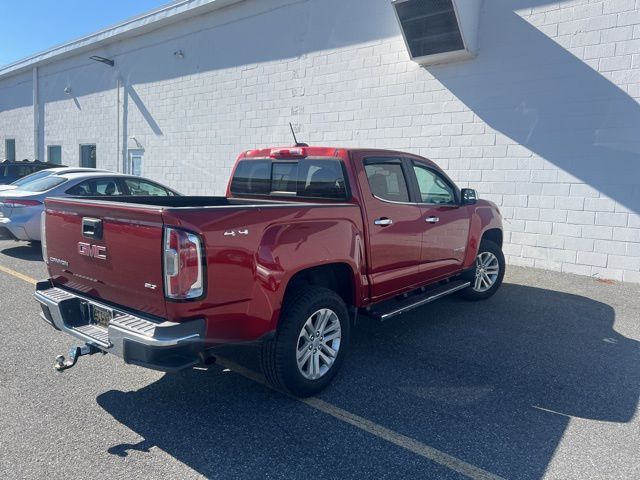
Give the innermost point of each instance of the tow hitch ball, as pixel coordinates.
(62, 363)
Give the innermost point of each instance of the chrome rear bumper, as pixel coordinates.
(160, 345)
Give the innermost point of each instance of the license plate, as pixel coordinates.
(100, 316)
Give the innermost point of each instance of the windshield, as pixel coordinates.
(44, 184)
(32, 177)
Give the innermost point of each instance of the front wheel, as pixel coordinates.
(489, 271)
(310, 344)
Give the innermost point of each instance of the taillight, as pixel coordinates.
(16, 202)
(183, 265)
(43, 236)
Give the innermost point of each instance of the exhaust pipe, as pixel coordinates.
(207, 359)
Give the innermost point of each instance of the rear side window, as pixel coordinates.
(5, 172)
(146, 189)
(104, 186)
(16, 171)
(387, 181)
(313, 178)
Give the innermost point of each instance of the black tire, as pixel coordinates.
(278, 354)
(470, 293)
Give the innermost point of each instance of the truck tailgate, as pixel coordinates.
(108, 251)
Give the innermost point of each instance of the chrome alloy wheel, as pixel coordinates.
(318, 344)
(487, 270)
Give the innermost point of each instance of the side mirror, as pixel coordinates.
(469, 196)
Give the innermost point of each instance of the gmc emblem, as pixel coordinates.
(93, 251)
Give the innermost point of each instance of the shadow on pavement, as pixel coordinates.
(31, 252)
(494, 384)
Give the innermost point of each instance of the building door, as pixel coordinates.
(54, 154)
(88, 156)
(134, 162)
(10, 149)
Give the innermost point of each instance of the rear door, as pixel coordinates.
(393, 224)
(107, 251)
(446, 223)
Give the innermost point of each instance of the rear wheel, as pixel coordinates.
(489, 270)
(310, 344)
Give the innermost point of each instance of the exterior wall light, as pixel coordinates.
(178, 54)
(67, 90)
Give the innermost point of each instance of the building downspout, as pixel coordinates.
(117, 156)
(36, 115)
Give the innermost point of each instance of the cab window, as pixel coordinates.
(387, 180)
(305, 178)
(433, 186)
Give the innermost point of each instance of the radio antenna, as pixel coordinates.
(295, 139)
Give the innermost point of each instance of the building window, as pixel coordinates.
(88, 156)
(134, 165)
(10, 149)
(54, 154)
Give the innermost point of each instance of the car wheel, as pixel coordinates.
(310, 344)
(489, 270)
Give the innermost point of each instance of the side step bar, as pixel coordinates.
(390, 308)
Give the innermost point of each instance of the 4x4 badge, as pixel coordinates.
(233, 233)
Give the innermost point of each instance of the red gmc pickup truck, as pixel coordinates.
(305, 241)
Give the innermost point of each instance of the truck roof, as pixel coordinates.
(314, 151)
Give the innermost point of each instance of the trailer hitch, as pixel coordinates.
(62, 364)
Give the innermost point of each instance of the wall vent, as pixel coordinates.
(439, 31)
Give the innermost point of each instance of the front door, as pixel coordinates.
(445, 238)
(393, 224)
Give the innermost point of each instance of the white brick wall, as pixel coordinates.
(16, 115)
(544, 121)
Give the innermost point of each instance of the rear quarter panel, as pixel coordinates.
(247, 274)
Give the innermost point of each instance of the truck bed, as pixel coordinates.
(251, 248)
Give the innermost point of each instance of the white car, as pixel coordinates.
(21, 208)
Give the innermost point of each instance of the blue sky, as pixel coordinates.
(30, 26)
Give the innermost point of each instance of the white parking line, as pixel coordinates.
(338, 413)
(375, 429)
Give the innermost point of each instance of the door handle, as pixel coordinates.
(384, 221)
(432, 219)
(92, 228)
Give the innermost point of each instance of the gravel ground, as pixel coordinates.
(543, 380)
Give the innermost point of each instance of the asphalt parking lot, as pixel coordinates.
(543, 380)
